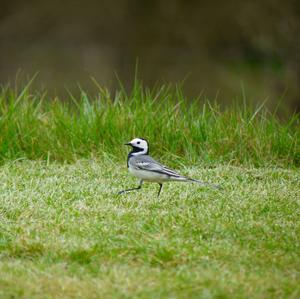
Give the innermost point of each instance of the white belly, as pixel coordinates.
(149, 176)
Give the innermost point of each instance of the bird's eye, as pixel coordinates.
(138, 142)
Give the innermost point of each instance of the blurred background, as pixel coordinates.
(215, 48)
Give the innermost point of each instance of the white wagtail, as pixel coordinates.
(144, 167)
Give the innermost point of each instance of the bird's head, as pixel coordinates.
(139, 146)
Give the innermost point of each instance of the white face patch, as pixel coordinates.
(140, 143)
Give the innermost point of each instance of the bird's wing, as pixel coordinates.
(149, 164)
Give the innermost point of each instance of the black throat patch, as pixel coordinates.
(135, 150)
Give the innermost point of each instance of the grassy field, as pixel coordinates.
(64, 232)
(34, 126)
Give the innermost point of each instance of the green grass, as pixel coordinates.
(34, 126)
(65, 234)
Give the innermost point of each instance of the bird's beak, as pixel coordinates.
(128, 143)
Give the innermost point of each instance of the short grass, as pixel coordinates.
(65, 234)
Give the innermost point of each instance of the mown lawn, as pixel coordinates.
(64, 233)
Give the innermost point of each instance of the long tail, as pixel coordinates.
(179, 178)
(217, 187)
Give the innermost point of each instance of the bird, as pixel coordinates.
(141, 165)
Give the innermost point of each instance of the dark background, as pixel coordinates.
(216, 47)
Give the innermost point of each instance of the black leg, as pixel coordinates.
(160, 186)
(127, 190)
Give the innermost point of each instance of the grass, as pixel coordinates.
(65, 233)
(33, 126)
